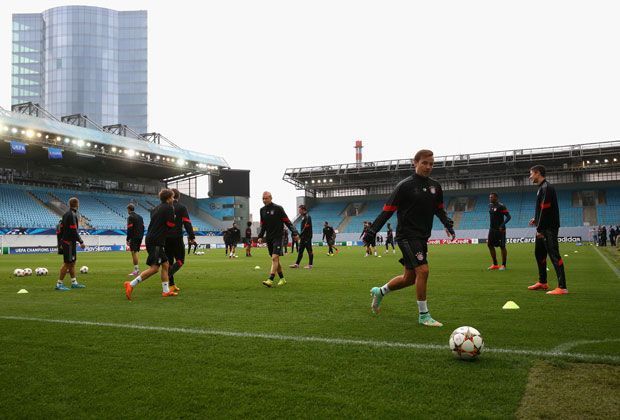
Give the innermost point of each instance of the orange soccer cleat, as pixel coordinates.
(558, 291)
(169, 294)
(128, 289)
(174, 288)
(538, 286)
(493, 267)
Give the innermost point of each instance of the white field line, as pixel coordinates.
(571, 344)
(609, 263)
(323, 340)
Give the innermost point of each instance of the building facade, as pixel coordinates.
(83, 60)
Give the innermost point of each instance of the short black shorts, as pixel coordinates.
(175, 249)
(134, 244)
(274, 247)
(157, 255)
(69, 252)
(414, 252)
(389, 241)
(496, 238)
(331, 241)
(372, 242)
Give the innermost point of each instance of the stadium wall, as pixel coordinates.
(582, 232)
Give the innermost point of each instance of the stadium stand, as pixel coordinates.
(609, 213)
(520, 205)
(29, 206)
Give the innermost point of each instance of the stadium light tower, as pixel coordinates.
(358, 152)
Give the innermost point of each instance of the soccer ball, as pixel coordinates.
(466, 343)
(84, 269)
(18, 272)
(41, 271)
(220, 181)
(27, 271)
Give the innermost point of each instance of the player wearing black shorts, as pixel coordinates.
(389, 239)
(417, 199)
(68, 233)
(305, 238)
(499, 216)
(547, 221)
(329, 235)
(175, 247)
(234, 237)
(272, 221)
(160, 228)
(135, 233)
(247, 240)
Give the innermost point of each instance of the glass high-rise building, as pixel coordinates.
(83, 60)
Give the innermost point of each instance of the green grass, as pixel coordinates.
(62, 370)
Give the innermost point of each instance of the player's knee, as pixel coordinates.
(180, 263)
(422, 270)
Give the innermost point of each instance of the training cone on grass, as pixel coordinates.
(257, 267)
(22, 291)
(510, 305)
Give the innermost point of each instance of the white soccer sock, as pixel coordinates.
(136, 267)
(164, 286)
(422, 307)
(135, 281)
(59, 283)
(73, 280)
(385, 289)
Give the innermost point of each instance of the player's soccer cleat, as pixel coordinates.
(558, 291)
(61, 288)
(293, 266)
(538, 286)
(174, 288)
(493, 267)
(78, 286)
(169, 294)
(377, 297)
(308, 267)
(427, 320)
(268, 283)
(128, 289)
(502, 268)
(134, 273)
(282, 282)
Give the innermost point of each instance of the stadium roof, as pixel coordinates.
(600, 156)
(171, 162)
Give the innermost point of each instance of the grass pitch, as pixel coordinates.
(229, 347)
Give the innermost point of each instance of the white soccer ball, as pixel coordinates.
(466, 343)
(220, 181)
(84, 269)
(38, 271)
(27, 271)
(45, 271)
(18, 272)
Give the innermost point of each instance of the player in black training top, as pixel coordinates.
(285, 241)
(69, 235)
(329, 236)
(161, 227)
(305, 238)
(135, 233)
(389, 239)
(247, 240)
(417, 199)
(272, 221)
(547, 221)
(175, 247)
(499, 216)
(234, 237)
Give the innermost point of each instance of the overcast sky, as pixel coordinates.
(276, 84)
